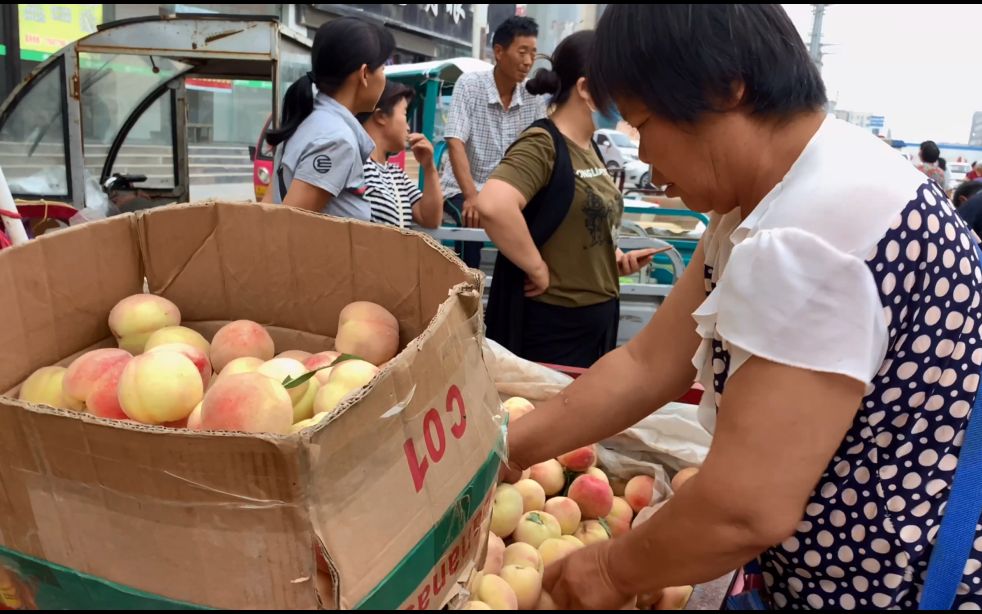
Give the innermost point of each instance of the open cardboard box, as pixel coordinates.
(395, 488)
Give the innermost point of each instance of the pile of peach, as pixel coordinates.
(166, 374)
(558, 507)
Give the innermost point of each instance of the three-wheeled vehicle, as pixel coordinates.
(103, 124)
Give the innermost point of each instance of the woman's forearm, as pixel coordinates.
(428, 210)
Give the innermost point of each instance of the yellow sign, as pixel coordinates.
(46, 28)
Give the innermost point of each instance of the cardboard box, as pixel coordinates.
(396, 489)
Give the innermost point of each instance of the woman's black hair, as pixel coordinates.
(340, 48)
(685, 60)
(965, 191)
(569, 62)
(391, 95)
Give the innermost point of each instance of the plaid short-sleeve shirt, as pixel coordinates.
(486, 128)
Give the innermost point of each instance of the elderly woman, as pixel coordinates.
(832, 318)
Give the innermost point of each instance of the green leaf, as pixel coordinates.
(289, 382)
(603, 523)
(534, 517)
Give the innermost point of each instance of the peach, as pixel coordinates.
(579, 459)
(495, 558)
(346, 378)
(523, 554)
(474, 583)
(621, 510)
(591, 532)
(245, 364)
(136, 317)
(85, 371)
(199, 358)
(368, 331)
(593, 495)
(237, 339)
(549, 475)
(495, 592)
(526, 582)
(554, 549)
(46, 386)
(304, 408)
(321, 362)
(506, 510)
(618, 526)
(194, 418)
(160, 386)
(533, 497)
(178, 334)
(279, 369)
(573, 540)
(682, 477)
(517, 407)
(566, 511)
(476, 605)
(527, 474)
(639, 492)
(103, 399)
(597, 473)
(298, 355)
(536, 527)
(674, 598)
(247, 402)
(305, 424)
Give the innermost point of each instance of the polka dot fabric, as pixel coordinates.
(867, 533)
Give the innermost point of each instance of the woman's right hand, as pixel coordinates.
(537, 280)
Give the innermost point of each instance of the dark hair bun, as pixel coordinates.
(545, 81)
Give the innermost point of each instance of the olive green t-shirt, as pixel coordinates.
(580, 254)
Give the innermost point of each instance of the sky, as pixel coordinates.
(919, 65)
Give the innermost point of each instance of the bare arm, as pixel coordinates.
(771, 416)
(500, 205)
(428, 210)
(624, 386)
(303, 195)
(462, 172)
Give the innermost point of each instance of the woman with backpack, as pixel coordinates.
(554, 212)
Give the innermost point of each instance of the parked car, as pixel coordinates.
(617, 149)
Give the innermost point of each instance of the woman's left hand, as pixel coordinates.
(581, 581)
(422, 148)
(633, 261)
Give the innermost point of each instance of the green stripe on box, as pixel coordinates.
(3, 50)
(416, 566)
(53, 587)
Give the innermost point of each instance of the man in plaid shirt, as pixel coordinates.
(488, 112)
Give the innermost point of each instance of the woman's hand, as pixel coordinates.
(582, 581)
(537, 281)
(633, 261)
(422, 149)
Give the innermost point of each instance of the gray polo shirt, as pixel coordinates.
(328, 150)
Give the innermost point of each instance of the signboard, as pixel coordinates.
(452, 22)
(46, 28)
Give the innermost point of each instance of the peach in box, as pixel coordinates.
(238, 339)
(136, 317)
(160, 386)
(247, 402)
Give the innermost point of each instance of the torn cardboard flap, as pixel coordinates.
(228, 520)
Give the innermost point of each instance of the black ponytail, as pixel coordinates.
(340, 48)
(569, 62)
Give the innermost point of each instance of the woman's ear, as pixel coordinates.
(363, 74)
(583, 91)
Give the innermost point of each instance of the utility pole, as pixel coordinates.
(815, 44)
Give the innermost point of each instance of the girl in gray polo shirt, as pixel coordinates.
(319, 165)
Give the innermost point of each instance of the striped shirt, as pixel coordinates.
(391, 194)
